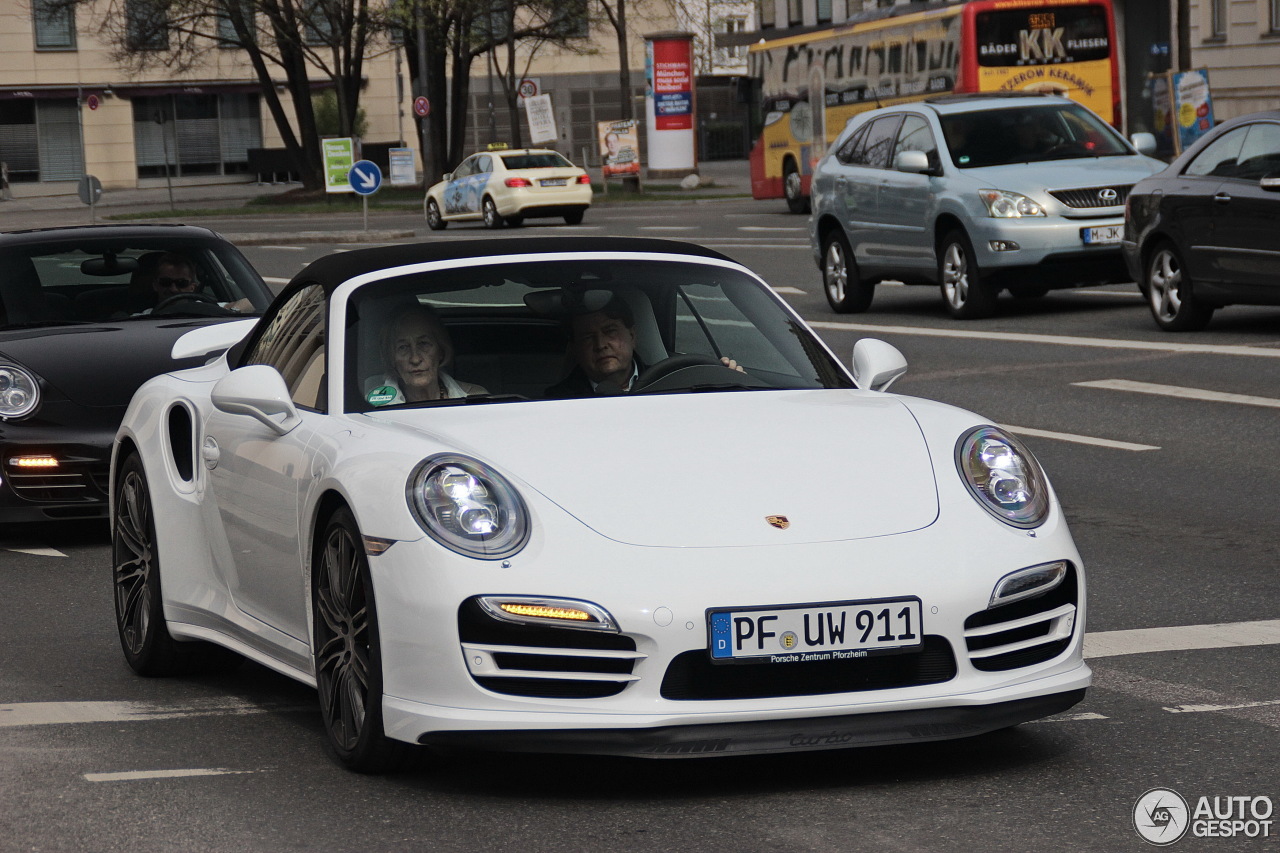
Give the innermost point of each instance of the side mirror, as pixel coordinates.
(916, 162)
(448, 176)
(259, 392)
(1144, 142)
(876, 364)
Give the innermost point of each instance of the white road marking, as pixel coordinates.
(1200, 709)
(669, 227)
(1089, 292)
(1181, 638)
(1055, 340)
(275, 279)
(1169, 694)
(135, 775)
(719, 243)
(1072, 718)
(284, 248)
(60, 713)
(1080, 439)
(794, 290)
(39, 552)
(1180, 392)
(768, 228)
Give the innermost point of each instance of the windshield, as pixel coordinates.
(123, 279)
(579, 328)
(544, 160)
(1028, 134)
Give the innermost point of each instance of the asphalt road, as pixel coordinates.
(1163, 449)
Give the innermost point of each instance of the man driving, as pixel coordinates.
(603, 345)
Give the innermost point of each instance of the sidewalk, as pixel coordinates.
(61, 210)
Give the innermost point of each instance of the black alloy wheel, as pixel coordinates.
(348, 659)
(148, 647)
(846, 292)
(966, 295)
(1170, 295)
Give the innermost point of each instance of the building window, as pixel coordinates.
(768, 15)
(40, 139)
(1275, 16)
(227, 35)
(1217, 19)
(186, 135)
(795, 12)
(147, 24)
(733, 53)
(824, 11)
(55, 25)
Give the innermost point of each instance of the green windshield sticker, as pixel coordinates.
(382, 395)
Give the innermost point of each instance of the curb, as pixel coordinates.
(270, 239)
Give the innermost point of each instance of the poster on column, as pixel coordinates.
(619, 147)
(672, 84)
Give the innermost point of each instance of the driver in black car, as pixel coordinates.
(172, 274)
(603, 346)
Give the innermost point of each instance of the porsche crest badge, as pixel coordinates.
(778, 521)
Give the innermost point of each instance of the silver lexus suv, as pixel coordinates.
(977, 194)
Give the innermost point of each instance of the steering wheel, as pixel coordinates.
(668, 366)
(189, 296)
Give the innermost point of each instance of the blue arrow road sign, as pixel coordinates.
(365, 177)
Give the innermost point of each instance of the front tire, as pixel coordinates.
(966, 295)
(793, 189)
(434, 220)
(489, 210)
(574, 218)
(347, 653)
(846, 292)
(1169, 293)
(149, 648)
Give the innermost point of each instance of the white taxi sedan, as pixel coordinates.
(507, 187)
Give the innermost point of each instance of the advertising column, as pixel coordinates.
(668, 104)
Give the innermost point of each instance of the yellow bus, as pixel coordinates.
(809, 85)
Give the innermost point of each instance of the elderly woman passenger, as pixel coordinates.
(415, 349)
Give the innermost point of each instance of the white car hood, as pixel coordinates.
(1067, 174)
(708, 470)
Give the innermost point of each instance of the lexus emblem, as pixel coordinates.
(778, 521)
(1108, 194)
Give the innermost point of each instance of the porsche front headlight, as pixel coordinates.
(468, 507)
(19, 392)
(1003, 476)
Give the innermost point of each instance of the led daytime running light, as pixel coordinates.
(542, 611)
(33, 462)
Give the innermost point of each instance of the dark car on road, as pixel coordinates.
(1205, 232)
(84, 321)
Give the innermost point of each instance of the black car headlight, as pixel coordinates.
(19, 392)
(468, 507)
(1003, 476)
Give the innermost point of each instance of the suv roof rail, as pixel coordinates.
(959, 97)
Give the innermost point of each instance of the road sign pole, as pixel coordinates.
(364, 199)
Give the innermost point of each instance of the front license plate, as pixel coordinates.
(839, 630)
(1103, 235)
(553, 182)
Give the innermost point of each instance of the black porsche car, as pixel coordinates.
(1205, 232)
(83, 323)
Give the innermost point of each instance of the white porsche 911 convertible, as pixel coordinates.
(587, 495)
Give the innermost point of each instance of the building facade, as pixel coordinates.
(68, 109)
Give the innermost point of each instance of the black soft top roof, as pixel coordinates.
(332, 270)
